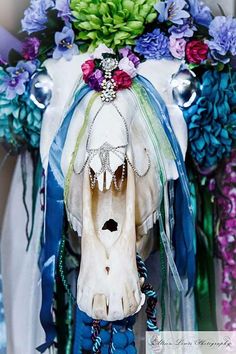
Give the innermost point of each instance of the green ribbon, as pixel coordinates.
(205, 284)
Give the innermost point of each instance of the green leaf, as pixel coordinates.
(128, 5)
(135, 25)
(151, 17)
(104, 9)
(85, 25)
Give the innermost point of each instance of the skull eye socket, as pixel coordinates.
(110, 225)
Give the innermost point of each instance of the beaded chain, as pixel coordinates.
(61, 270)
(96, 328)
(148, 290)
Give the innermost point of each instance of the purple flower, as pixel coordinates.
(63, 8)
(13, 85)
(200, 12)
(185, 30)
(95, 80)
(154, 45)
(177, 47)
(127, 52)
(65, 44)
(172, 10)
(35, 16)
(223, 43)
(23, 67)
(30, 48)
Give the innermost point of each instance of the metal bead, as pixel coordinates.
(185, 87)
(41, 89)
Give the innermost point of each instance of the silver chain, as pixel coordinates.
(104, 155)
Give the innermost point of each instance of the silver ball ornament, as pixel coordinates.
(185, 87)
(41, 89)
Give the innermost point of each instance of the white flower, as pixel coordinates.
(101, 49)
(128, 66)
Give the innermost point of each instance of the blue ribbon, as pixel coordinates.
(184, 228)
(54, 220)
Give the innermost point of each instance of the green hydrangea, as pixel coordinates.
(116, 23)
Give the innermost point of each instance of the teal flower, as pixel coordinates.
(20, 122)
(212, 119)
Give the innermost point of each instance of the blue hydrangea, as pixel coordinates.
(35, 16)
(153, 45)
(223, 43)
(212, 119)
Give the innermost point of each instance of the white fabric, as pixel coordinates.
(159, 73)
(21, 276)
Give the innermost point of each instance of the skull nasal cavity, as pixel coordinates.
(110, 225)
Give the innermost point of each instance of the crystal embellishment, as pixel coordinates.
(109, 64)
(108, 85)
(108, 90)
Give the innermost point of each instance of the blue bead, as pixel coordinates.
(119, 351)
(131, 350)
(105, 336)
(86, 331)
(118, 327)
(85, 318)
(87, 344)
(105, 349)
(119, 340)
(130, 336)
(104, 323)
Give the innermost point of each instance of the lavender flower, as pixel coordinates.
(30, 48)
(65, 44)
(63, 8)
(185, 30)
(172, 10)
(200, 12)
(127, 52)
(13, 81)
(35, 16)
(22, 67)
(223, 43)
(154, 45)
(13, 85)
(177, 47)
(128, 66)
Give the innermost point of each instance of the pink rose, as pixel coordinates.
(196, 51)
(122, 79)
(87, 68)
(177, 47)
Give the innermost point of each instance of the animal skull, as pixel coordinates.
(114, 192)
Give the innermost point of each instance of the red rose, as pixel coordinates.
(196, 51)
(87, 68)
(122, 79)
